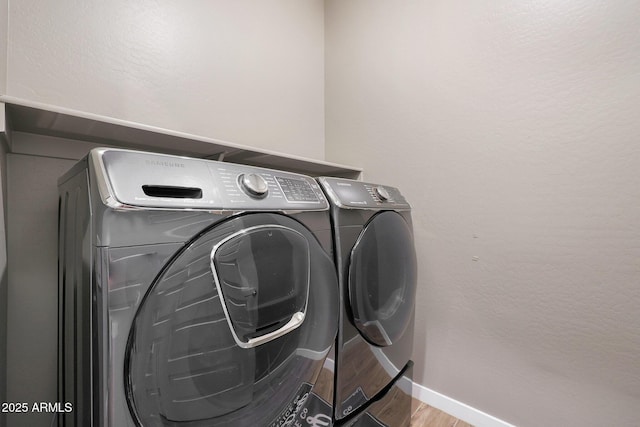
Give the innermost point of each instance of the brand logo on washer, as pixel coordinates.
(165, 163)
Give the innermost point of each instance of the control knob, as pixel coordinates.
(381, 192)
(253, 184)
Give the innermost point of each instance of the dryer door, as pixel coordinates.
(235, 329)
(382, 279)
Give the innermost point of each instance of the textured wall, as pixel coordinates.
(512, 127)
(32, 219)
(4, 30)
(3, 274)
(243, 71)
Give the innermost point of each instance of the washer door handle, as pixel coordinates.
(295, 321)
(239, 291)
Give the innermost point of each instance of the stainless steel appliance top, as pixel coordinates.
(138, 180)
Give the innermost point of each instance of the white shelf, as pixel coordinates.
(40, 119)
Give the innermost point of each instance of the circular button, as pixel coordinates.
(381, 192)
(253, 184)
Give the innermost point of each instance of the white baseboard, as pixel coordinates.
(455, 408)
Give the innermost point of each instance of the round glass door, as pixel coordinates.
(382, 279)
(235, 328)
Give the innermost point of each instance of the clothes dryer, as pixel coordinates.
(376, 265)
(192, 293)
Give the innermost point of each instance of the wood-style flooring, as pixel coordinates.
(423, 415)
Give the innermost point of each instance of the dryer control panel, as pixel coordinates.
(133, 179)
(351, 194)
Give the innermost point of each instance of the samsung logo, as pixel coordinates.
(165, 163)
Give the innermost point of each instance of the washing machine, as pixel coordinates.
(376, 266)
(192, 293)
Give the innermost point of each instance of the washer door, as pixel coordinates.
(382, 279)
(235, 329)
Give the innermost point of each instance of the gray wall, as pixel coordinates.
(4, 7)
(33, 273)
(3, 271)
(243, 71)
(4, 30)
(512, 128)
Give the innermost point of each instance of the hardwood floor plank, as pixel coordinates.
(415, 405)
(324, 385)
(428, 416)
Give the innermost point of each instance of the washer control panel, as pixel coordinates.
(137, 179)
(258, 188)
(351, 194)
(297, 189)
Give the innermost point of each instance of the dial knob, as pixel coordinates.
(381, 192)
(253, 184)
